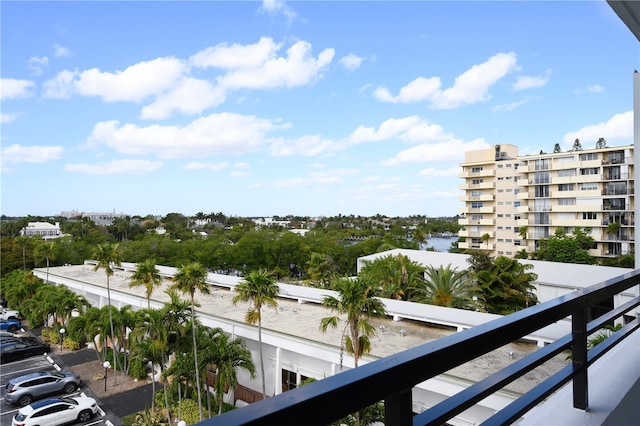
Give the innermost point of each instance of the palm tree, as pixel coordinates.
(230, 355)
(46, 250)
(23, 241)
(446, 286)
(485, 239)
(107, 255)
(146, 275)
(189, 279)
(357, 300)
(153, 330)
(506, 286)
(259, 288)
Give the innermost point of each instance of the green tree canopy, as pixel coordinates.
(507, 286)
(394, 275)
(565, 248)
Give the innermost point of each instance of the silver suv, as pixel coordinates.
(24, 389)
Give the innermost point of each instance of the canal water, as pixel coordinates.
(439, 244)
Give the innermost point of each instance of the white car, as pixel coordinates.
(6, 314)
(56, 411)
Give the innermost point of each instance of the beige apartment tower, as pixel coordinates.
(512, 202)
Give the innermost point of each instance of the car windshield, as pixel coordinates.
(20, 417)
(69, 400)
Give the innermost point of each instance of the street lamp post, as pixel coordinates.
(106, 366)
(62, 331)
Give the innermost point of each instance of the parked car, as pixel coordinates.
(9, 314)
(25, 389)
(56, 411)
(11, 325)
(20, 349)
(17, 334)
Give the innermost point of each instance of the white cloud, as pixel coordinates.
(511, 106)
(12, 88)
(223, 133)
(168, 80)
(115, 167)
(134, 83)
(36, 64)
(190, 96)
(276, 7)
(410, 129)
(329, 177)
(431, 172)
(531, 82)
(351, 62)
(7, 118)
(420, 89)
(447, 151)
(469, 87)
(61, 51)
(16, 154)
(234, 56)
(310, 145)
(61, 86)
(593, 88)
(297, 68)
(618, 128)
(195, 165)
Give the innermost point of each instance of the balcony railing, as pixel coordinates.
(391, 379)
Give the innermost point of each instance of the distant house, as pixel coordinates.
(46, 230)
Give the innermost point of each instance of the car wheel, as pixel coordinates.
(13, 328)
(84, 416)
(69, 387)
(25, 400)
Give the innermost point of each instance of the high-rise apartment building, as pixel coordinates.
(511, 202)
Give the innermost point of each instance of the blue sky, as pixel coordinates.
(303, 108)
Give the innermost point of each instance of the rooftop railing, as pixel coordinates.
(392, 379)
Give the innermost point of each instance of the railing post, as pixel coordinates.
(398, 409)
(579, 359)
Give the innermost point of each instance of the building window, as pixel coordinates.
(566, 201)
(476, 193)
(566, 173)
(565, 187)
(476, 169)
(589, 186)
(588, 156)
(477, 204)
(589, 171)
(589, 215)
(477, 216)
(516, 204)
(477, 181)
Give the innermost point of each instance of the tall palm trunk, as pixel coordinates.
(195, 356)
(264, 392)
(113, 343)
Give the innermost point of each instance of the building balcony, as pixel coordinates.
(476, 234)
(598, 386)
(481, 185)
(469, 221)
(481, 173)
(484, 197)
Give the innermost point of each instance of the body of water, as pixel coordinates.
(439, 244)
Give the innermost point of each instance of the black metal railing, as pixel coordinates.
(392, 379)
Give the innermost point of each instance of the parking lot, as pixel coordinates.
(50, 362)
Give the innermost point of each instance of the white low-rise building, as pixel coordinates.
(46, 230)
